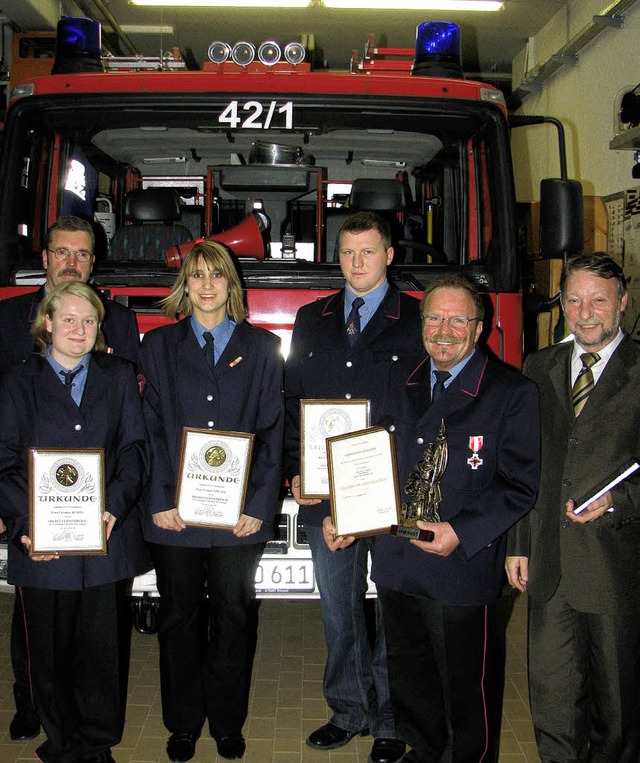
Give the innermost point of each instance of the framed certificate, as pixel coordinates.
(319, 420)
(66, 501)
(365, 497)
(212, 477)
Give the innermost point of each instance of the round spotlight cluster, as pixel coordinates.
(243, 53)
(219, 52)
(269, 53)
(294, 53)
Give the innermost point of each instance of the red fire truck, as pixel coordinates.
(268, 156)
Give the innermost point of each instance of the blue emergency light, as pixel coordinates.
(78, 46)
(438, 50)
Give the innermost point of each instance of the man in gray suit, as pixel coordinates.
(582, 571)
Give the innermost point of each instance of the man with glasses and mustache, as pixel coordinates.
(67, 255)
(439, 597)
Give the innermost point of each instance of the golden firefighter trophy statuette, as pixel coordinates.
(423, 489)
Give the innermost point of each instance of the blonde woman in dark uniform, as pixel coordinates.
(75, 606)
(236, 385)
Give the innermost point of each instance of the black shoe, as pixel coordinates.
(330, 736)
(387, 751)
(231, 747)
(181, 747)
(102, 757)
(411, 757)
(25, 725)
(44, 756)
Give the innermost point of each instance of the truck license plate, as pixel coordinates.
(275, 575)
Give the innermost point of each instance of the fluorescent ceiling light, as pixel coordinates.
(228, 3)
(146, 29)
(417, 5)
(361, 5)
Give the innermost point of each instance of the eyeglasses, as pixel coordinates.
(62, 253)
(455, 321)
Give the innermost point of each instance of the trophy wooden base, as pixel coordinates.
(415, 533)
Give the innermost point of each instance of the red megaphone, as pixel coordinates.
(244, 240)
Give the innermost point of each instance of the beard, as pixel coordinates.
(606, 335)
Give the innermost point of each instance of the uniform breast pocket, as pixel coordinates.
(390, 357)
(472, 459)
(323, 373)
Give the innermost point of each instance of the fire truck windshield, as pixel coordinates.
(437, 167)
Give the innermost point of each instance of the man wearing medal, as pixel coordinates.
(439, 597)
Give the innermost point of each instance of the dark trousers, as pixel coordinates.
(20, 660)
(584, 683)
(74, 640)
(206, 647)
(445, 676)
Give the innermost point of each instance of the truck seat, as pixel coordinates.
(380, 195)
(392, 199)
(192, 216)
(154, 214)
(386, 196)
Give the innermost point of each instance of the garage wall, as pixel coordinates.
(583, 98)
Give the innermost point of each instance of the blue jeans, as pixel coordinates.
(356, 683)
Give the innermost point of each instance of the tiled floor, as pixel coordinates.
(286, 701)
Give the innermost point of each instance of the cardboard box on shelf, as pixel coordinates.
(546, 274)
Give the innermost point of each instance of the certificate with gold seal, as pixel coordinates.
(319, 420)
(66, 501)
(212, 477)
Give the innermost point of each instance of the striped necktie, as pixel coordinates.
(584, 383)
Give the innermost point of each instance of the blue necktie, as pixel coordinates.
(209, 354)
(438, 387)
(353, 321)
(69, 376)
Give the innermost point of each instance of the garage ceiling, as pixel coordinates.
(490, 40)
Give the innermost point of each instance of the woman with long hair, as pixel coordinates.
(211, 370)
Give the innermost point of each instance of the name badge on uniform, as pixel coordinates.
(475, 445)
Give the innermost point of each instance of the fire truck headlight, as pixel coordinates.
(269, 53)
(294, 53)
(219, 52)
(243, 53)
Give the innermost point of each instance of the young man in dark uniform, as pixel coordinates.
(345, 347)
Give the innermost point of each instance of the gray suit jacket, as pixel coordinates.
(598, 562)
